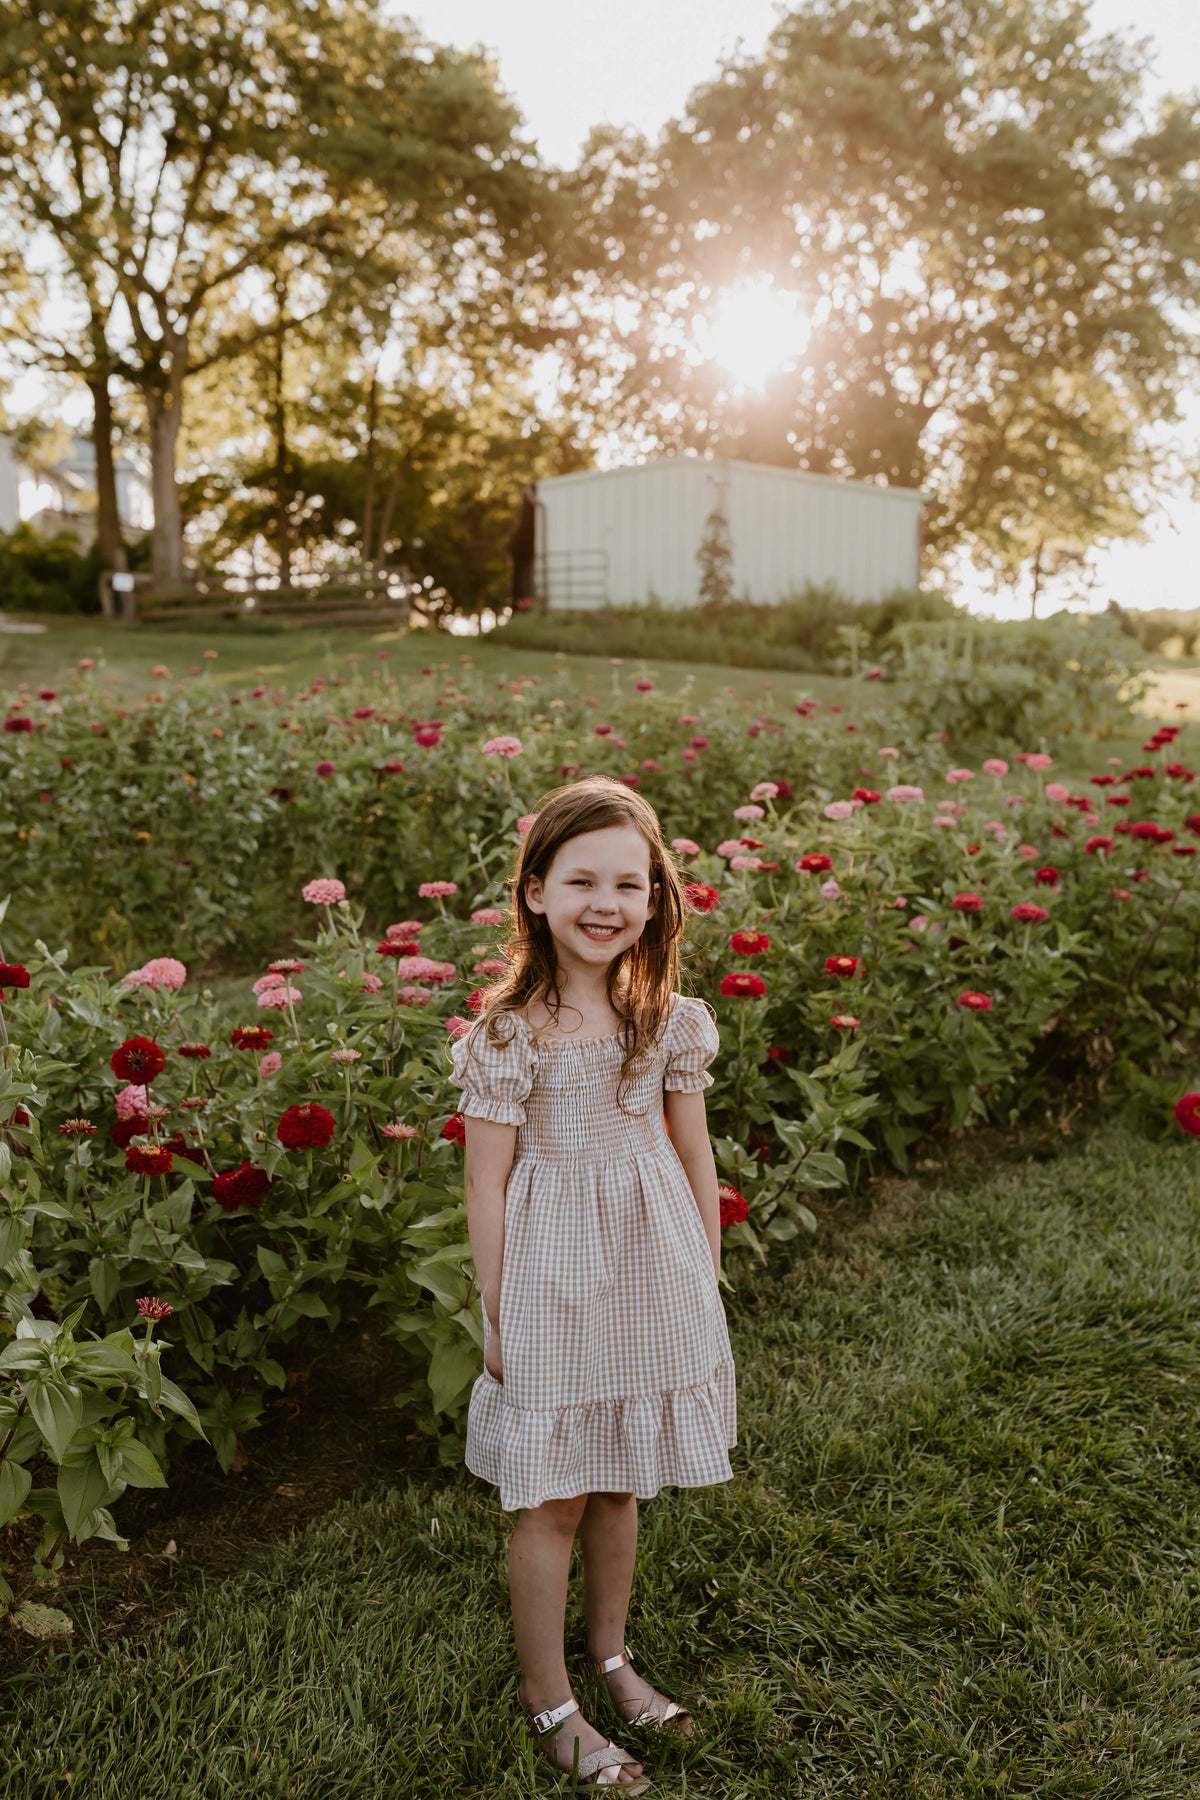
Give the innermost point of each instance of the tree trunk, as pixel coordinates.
(369, 553)
(109, 541)
(1037, 580)
(283, 471)
(164, 415)
(385, 518)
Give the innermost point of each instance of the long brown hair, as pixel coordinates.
(642, 979)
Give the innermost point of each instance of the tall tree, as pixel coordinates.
(994, 248)
(170, 153)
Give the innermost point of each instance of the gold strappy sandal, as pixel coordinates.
(599, 1768)
(668, 1715)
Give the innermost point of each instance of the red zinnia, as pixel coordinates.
(251, 1037)
(779, 1053)
(138, 1060)
(700, 897)
(125, 1130)
(734, 1207)
(967, 903)
(1028, 913)
(842, 965)
(1187, 1114)
(397, 947)
(974, 1002)
(18, 725)
(815, 863)
(868, 796)
(196, 1052)
(743, 986)
(305, 1127)
(1095, 845)
(750, 943)
(454, 1130)
(1046, 877)
(148, 1159)
(13, 975)
(151, 1307)
(1192, 823)
(247, 1185)
(845, 1022)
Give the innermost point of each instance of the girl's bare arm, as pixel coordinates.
(687, 1128)
(490, 1150)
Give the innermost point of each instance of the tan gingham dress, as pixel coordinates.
(618, 1375)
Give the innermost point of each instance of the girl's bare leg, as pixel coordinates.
(539, 1564)
(608, 1534)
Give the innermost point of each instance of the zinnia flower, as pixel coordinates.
(138, 1059)
(904, 791)
(162, 973)
(250, 1037)
(437, 890)
(247, 1185)
(968, 903)
(18, 725)
(685, 847)
(503, 746)
(287, 965)
(148, 1159)
(842, 966)
(77, 1128)
(1095, 845)
(743, 986)
(398, 1131)
(1046, 877)
(974, 1002)
(995, 765)
(1027, 913)
(748, 812)
(195, 1052)
(955, 775)
(278, 999)
(345, 1056)
(868, 796)
(700, 897)
(454, 1130)
(305, 1127)
(131, 1102)
(845, 1022)
(750, 943)
(1187, 1114)
(324, 892)
(270, 1064)
(151, 1307)
(815, 863)
(765, 790)
(13, 975)
(734, 1207)
(428, 736)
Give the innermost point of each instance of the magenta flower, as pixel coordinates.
(503, 746)
(162, 973)
(437, 890)
(325, 891)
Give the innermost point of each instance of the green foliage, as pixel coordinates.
(714, 558)
(815, 631)
(1012, 687)
(47, 574)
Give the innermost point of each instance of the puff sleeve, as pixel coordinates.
(691, 1043)
(495, 1078)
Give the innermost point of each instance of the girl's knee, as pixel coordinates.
(559, 1515)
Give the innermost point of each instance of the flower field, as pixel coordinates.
(242, 928)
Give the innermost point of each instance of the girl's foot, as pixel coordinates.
(559, 1746)
(637, 1702)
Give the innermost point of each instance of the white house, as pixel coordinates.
(62, 497)
(610, 537)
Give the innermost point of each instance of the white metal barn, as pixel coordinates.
(612, 537)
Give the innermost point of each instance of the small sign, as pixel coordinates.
(122, 583)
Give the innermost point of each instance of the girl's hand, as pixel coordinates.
(492, 1361)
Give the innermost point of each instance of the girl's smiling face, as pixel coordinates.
(596, 895)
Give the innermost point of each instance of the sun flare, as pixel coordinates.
(754, 329)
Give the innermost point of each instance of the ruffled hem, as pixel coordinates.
(484, 1106)
(686, 1081)
(636, 1444)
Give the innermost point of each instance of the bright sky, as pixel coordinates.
(569, 67)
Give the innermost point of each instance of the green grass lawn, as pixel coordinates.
(959, 1559)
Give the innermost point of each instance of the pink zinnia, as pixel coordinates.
(411, 993)
(131, 1102)
(766, 790)
(954, 775)
(995, 765)
(270, 1064)
(326, 769)
(729, 847)
(525, 824)
(503, 746)
(437, 890)
(405, 928)
(491, 965)
(457, 1027)
(1055, 790)
(1029, 913)
(425, 968)
(162, 973)
(398, 1131)
(904, 791)
(487, 915)
(840, 809)
(278, 999)
(324, 892)
(267, 982)
(685, 847)
(748, 812)
(1037, 760)
(370, 984)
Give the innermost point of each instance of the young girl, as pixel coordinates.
(595, 1226)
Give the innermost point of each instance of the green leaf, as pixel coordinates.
(309, 1306)
(139, 1467)
(15, 1483)
(12, 1236)
(177, 1401)
(42, 1621)
(56, 1412)
(105, 1282)
(271, 1263)
(82, 1487)
(452, 1369)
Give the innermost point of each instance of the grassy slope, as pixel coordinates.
(958, 1560)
